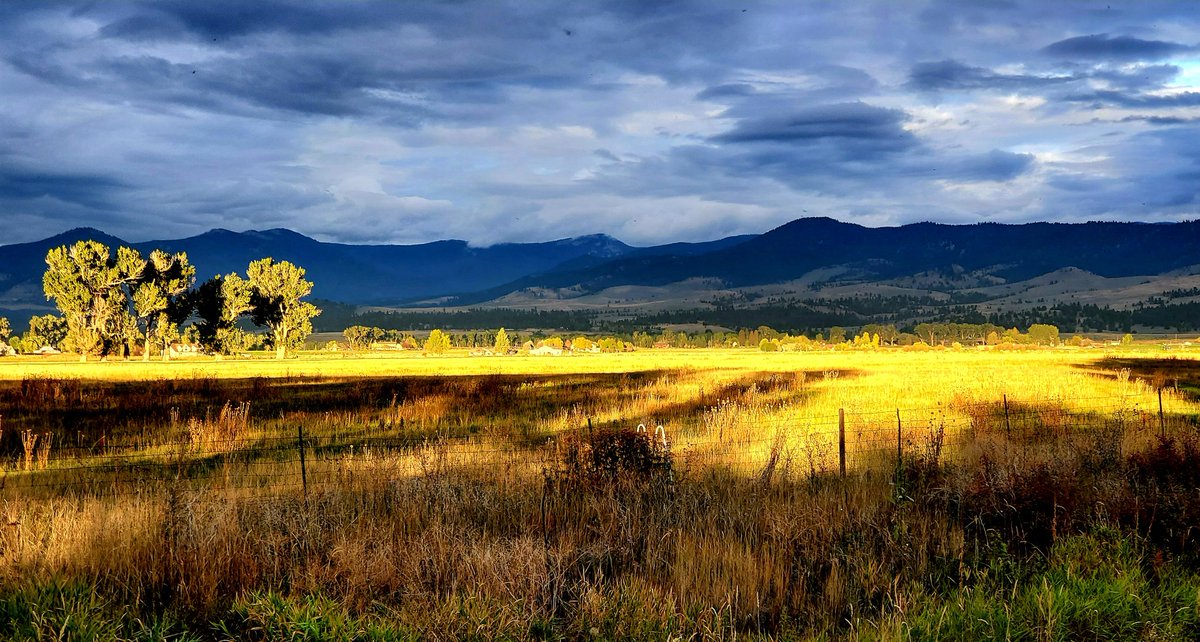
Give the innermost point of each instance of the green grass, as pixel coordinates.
(61, 611)
(1096, 586)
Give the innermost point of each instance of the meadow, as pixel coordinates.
(874, 495)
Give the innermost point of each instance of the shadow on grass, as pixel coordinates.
(115, 424)
(1165, 372)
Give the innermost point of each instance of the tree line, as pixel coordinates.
(501, 342)
(764, 338)
(337, 316)
(112, 304)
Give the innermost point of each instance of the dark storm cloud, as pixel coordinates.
(952, 74)
(843, 121)
(216, 20)
(1160, 120)
(88, 190)
(1097, 99)
(1120, 48)
(824, 149)
(321, 81)
(996, 165)
(729, 90)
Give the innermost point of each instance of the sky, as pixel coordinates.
(654, 122)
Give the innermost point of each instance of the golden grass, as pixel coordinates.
(739, 406)
(429, 479)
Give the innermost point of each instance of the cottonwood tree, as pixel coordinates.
(1043, 334)
(360, 337)
(87, 285)
(5, 331)
(502, 342)
(276, 293)
(159, 303)
(45, 330)
(437, 343)
(581, 344)
(220, 302)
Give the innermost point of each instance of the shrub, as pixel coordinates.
(612, 455)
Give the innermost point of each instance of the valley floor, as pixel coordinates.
(675, 494)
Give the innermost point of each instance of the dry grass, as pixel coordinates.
(489, 505)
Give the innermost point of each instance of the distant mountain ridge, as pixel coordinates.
(1000, 252)
(819, 252)
(360, 274)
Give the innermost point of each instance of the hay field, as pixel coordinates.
(339, 496)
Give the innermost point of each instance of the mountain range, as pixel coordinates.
(356, 274)
(809, 258)
(980, 254)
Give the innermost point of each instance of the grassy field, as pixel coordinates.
(1039, 494)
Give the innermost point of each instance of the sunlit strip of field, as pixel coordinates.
(962, 366)
(732, 407)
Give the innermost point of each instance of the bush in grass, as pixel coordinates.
(608, 456)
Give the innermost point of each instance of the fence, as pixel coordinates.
(850, 442)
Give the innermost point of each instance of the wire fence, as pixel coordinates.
(748, 443)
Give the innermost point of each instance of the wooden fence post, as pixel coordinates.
(842, 440)
(1007, 424)
(303, 468)
(1162, 420)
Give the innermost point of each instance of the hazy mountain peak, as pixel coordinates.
(598, 244)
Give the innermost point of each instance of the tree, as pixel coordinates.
(220, 302)
(7, 346)
(87, 286)
(888, 334)
(928, 332)
(437, 343)
(46, 330)
(158, 298)
(1043, 334)
(502, 342)
(123, 333)
(276, 290)
(837, 334)
(359, 337)
(581, 344)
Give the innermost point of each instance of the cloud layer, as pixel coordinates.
(400, 122)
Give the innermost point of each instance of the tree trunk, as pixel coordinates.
(280, 344)
(146, 347)
(280, 352)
